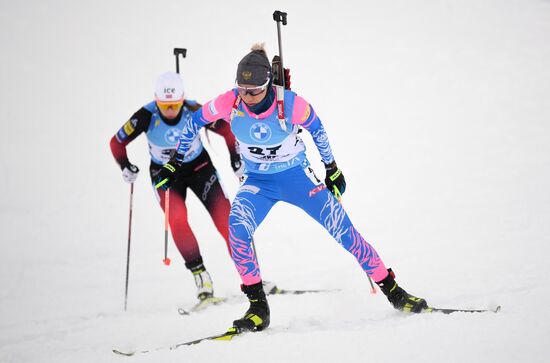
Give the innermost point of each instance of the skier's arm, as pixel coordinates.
(211, 111)
(192, 105)
(222, 128)
(219, 108)
(305, 116)
(138, 123)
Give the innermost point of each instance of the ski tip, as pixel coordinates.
(209, 301)
(183, 312)
(127, 354)
(450, 311)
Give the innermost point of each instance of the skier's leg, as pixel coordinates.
(305, 191)
(207, 187)
(183, 236)
(185, 239)
(248, 210)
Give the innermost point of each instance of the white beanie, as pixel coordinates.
(169, 87)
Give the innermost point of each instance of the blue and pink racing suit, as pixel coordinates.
(277, 169)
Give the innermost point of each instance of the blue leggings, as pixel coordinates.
(299, 187)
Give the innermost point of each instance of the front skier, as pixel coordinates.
(265, 120)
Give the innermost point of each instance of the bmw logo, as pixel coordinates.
(172, 136)
(260, 132)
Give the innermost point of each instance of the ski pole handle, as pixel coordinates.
(279, 16)
(177, 52)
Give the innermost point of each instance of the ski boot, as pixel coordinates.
(256, 317)
(399, 298)
(203, 281)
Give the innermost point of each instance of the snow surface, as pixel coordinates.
(438, 113)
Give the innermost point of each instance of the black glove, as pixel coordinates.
(335, 181)
(168, 174)
(237, 164)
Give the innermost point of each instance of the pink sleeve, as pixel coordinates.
(302, 112)
(219, 108)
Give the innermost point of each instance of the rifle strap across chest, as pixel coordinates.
(280, 99)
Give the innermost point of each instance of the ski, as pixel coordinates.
(206, 303)
(203, 304)
(450, 311)
(128, 354)
(233, 332)
(277, 291)
(228, 335)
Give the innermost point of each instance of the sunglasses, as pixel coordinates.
(253, 91)
(165, 106)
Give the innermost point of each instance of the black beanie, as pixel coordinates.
(254, 68)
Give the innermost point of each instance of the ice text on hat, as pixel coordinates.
(169, 92)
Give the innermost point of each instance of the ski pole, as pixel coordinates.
(280, 17)
(372, 289)
(166, 260)
(128, 252)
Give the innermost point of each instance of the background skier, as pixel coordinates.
(162, 121)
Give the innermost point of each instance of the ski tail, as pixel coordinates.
(228, 335)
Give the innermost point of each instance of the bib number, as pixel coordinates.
(268, 151)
